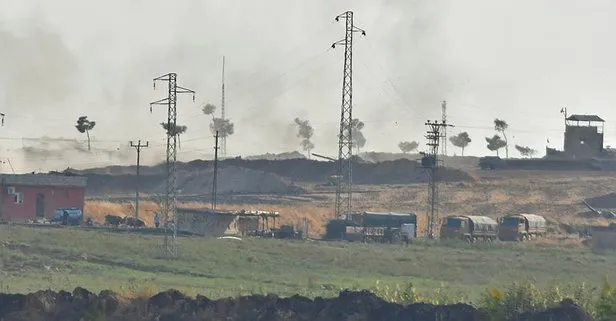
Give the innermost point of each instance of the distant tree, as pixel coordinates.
(495, 143)
(358, 139)
(85, 126)
(407, 147)
(501, 126)
(176, 130)
(224, 127)
(460, 140)
(525, 151)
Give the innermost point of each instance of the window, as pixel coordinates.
(19, 198)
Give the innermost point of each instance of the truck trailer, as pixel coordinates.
(469, 228)
(374, 227)
(521, 227)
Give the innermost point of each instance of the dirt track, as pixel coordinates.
(172, 305)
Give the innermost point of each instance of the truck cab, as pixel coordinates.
(511, 228)
(455, 227)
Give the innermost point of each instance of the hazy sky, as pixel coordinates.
(517, 60)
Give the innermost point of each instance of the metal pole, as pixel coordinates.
(215, 180)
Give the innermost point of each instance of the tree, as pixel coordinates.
(176, 130)
(526, 151)
(305, 132)
(358, 139)
(501, 126)
(224, 127)
(85, 126)
(460, 140)
(495, 143)
(407, 147)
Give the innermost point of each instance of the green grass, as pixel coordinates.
(41, 258)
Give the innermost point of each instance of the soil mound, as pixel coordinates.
(231, 179)
(173, 305)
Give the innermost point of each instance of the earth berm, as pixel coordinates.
(172, 305)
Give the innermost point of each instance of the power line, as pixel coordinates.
(345, 138)
(173, 131)
(138, 148)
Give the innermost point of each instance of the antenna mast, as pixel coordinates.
(345, 139)
(215, 180)
(170, 248)
(223, 141)
(444, 136)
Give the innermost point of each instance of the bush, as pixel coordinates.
(513, 300)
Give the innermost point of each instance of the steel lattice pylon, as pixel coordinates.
(345, 138)
(169, 209)
(431, 162)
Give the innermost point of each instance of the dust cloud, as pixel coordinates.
(517, 61)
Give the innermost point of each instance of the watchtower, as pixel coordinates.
(583, 136)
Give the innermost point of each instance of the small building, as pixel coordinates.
(583, 138)
(37, 196)
(604, 237)
(206, 222)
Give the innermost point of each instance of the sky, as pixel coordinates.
(521, 61)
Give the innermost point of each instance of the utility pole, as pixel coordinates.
(223, 141)
(215, 180)
(444, 136)
(345, 139)
(431, 162)
(170, 248)
(138, 148)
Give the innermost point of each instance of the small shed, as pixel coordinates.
(217, 223)
(604, 237)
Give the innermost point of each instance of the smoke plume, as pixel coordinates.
(305, 133)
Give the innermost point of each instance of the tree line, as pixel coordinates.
(305, 132)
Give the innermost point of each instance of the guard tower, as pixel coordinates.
(583, 136)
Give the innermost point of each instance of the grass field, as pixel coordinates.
(35, 258)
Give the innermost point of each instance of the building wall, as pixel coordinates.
(592, 146)
(54, 197)
(604, 240)
(247, 224)
(207, 224)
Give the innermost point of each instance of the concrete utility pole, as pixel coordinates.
(430, 161)
(170, 248)
(345, 138)
(215, 180)
(138, 148)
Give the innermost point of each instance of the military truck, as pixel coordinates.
(374, 227)
(521, 227)
(469, 228)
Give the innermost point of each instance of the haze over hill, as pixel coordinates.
(520, 62)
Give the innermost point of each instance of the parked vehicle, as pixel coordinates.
(469, 228)
(67, 216)
(521, 227)
(374, 227)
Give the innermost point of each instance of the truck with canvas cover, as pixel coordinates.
(469, 228)
(381, 227)
(521, 227)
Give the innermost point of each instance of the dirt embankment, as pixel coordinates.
(401, 171)
(173, 305)
(231, 179)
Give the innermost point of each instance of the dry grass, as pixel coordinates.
(557, 196)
